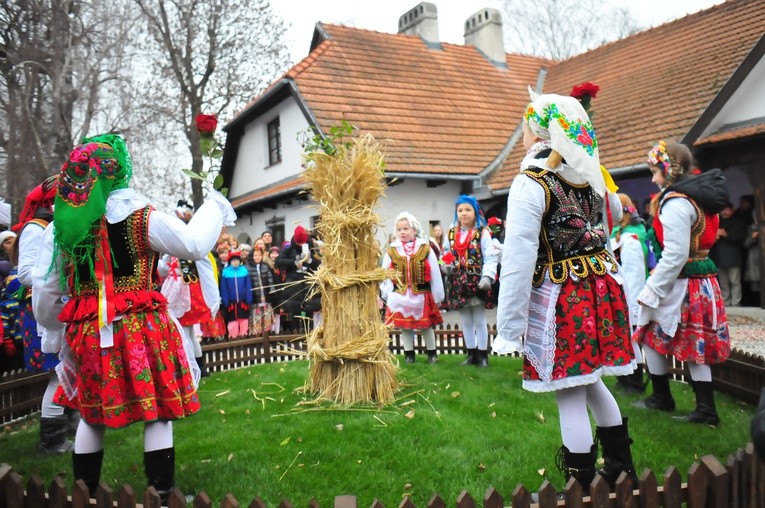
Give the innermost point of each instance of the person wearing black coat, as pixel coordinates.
(728, 255)
(262, 281)
(294, 261)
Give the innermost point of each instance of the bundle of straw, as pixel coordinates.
(349, 355)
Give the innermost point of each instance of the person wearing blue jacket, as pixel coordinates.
(236, 295)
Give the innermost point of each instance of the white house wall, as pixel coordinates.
(747, 102)
(412, 195)
(252, 170)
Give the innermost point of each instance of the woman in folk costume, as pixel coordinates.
(681, 309)
(413, 296)
(123, 360)
(471, 267)
(560, 300)
(192, 294)
(34, 218)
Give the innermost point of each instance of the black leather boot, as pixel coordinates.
(617, 454)
(201, 363)
(409, 356)
(53, 439)
(580, 466)
(632, 383)
(159, 466)
(87, 467)
(705, 412)
(73, 420)
(483, 358)
(661, 398)
(472, 357)
(432, 356)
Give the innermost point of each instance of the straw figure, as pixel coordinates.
(349, 355)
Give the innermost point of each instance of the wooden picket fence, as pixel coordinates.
(741, 376)
(740, 483)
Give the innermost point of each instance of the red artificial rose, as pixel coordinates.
(448, 258)
(206, 124)
(584, 90)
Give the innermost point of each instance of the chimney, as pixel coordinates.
(422, 21)
(484, 31)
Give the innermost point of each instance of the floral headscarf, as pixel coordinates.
(563, 121)
(40, 197)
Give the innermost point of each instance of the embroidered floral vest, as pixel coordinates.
(474, 254)
(573, 237)
(415, 275)
(703, 237)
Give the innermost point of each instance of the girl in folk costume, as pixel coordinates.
(681, 309)
(34, 218)
(236, 295)
(262, 282)
(631, 251)
(471, 266)
(560, 299)
(123, 360)
(191, 289)
(417, 289)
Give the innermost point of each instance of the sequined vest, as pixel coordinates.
(572, 239)
(189, 271)
(703, 237)
(133, 261)
(415, 274)
(474, 254)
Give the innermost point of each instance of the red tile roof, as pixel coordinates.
(657, 83)
(292, 185)
(733, 134)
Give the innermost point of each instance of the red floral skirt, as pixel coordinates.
(592, 334)
(702, 335)
(198, 313)
(214, 328)
(145, 376)
(431, 316)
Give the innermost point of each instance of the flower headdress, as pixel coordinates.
(562, 120)
(659, 157)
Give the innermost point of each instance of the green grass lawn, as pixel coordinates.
(452, 428)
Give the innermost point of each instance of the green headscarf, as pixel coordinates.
(95, 168)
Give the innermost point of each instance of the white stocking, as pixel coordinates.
(49, 409)
(157, 435)
(700, 372)
(575, 429)
(603, 405)
(430, 339)
(657, 363)
(468, 333)
(407, 339)
(89, 438)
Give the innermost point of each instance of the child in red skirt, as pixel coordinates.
(414, 294)
(123, 360)
(681, 308)
(560, 300)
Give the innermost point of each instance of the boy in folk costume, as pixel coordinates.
(681, 307)
(34, 218)
(192, 293)
(559, 302)
(413, 297)
(471, 266)
(123, 360)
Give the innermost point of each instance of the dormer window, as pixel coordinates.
(274, 142)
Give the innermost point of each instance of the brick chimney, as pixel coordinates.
(422, 21)
(484, 31)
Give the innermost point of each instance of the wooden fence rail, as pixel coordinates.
(740, 483)
(741, 376)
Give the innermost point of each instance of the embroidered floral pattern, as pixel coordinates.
(702, 335)
(592, 330)
(581, 133)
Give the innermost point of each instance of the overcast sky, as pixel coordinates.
(383, 16)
